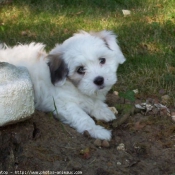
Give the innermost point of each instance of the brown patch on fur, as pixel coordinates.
(103, 38)
(58, 68)
(54, 61)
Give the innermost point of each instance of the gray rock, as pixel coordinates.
(16, 94)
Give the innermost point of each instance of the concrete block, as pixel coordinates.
(16, 94)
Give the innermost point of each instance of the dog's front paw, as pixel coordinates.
(99, 132)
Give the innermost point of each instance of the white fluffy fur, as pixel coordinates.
(56, 80)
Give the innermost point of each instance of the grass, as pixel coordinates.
(147, 36)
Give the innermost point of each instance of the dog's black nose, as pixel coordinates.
(99, 81)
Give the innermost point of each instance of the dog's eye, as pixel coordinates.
(81, 70)
(102, 60)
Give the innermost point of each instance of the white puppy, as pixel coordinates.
(73, 79)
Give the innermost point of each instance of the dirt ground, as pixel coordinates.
(141, 145)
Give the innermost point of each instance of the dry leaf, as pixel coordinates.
(126, 12)
(85, 153)
(136, 91)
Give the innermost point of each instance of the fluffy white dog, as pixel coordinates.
(73, 79)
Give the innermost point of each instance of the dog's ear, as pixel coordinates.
(110, 41)
(58, 69)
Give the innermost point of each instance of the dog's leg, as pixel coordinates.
(101, 111)
(74, 116)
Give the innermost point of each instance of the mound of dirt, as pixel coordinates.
(141, 145)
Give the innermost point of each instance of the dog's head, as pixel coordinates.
(88, 60)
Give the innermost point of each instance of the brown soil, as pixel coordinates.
(46, 146)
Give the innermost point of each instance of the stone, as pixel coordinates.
(116, 93)
(16, 94)
(105, 144)
(121, 147)
(97, 142)
(114, 110)
(119, 163)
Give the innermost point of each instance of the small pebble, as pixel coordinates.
(119, 163)
(121, 147)
(114, 110)
(115, 93)
(105, 144)
(97, 143)
(136, 91)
